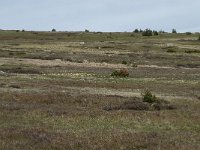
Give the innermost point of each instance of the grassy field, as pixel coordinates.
(57, 92)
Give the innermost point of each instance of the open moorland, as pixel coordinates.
(57, 92)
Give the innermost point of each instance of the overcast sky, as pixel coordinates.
(100, 15)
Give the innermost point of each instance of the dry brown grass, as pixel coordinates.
(51, 103)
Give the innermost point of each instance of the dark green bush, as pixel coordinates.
(124, 62)
(149, 97)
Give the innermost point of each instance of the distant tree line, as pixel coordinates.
(149, 32)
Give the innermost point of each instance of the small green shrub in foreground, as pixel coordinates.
(149, 97)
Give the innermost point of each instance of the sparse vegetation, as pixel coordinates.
(57, 91)
(120, 73)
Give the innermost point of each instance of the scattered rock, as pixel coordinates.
(2, 73)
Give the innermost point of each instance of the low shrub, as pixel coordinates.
(11, 53)
(124, 62)
(79, 61)
(21, 70)
(120, 73)
(136, 104)
(171, 51)
(149, 97)
(189, 65)
(192, 51)
(15, 86)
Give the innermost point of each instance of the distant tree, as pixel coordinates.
(53, 30)
(161, 31)
(87, 31)
(23, 30)
(155, 32)
(188, 33)
(141, 31)
(147, 32)
(136, 30)
(174, 31)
